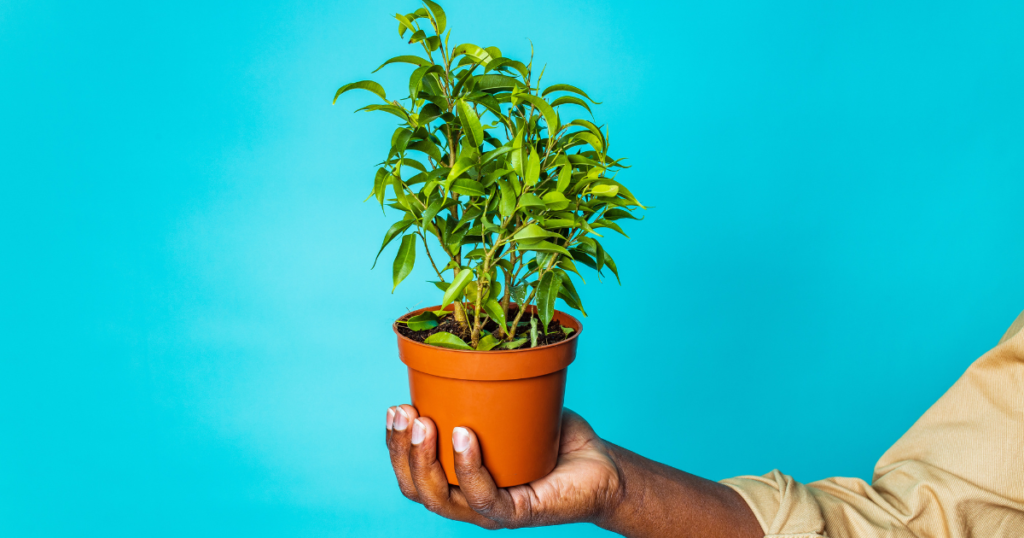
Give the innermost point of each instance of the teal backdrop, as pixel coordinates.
(194, 343)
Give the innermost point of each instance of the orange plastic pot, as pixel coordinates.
(511, 399)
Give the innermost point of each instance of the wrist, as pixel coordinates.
(627, 496)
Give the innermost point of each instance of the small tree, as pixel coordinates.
(508, 196)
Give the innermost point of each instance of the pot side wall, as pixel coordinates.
(518, 422)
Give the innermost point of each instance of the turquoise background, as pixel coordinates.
(194, 343)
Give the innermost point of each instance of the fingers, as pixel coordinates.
(427, 474)
(479, 489)
(399, 442)
(412, 445)
(430, 481)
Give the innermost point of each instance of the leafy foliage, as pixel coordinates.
(504, 197)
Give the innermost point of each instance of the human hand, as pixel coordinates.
(585, 485)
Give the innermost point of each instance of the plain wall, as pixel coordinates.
(194, 343)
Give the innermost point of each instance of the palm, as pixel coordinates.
(582, 480)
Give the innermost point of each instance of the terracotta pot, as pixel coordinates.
(512, 399)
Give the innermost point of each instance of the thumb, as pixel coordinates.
(477, 485)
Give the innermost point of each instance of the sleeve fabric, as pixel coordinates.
(957, 473)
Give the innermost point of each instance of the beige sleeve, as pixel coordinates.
(957, 473)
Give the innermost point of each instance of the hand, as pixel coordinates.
(585, 485)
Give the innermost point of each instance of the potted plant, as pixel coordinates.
(506, 200)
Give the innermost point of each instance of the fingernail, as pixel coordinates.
(460, 439)
(418, 432)
(401, 420)
(391, 417)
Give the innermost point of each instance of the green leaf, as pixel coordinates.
(568, 292)
(584, 258)
(517, 343)
(519, 294)
(617, 214)
(500, 63)
(417, 78)
(495, 290)
(422, 322)
(625, 194)
(589, 138)
(491, 155)
(415, 60)
(604, 223)
(399, 141)
(457, 286)
(591, 247)
(461, 166)
(440, 20)
(431, 211)
(390, 109)
(446, 339)
(547, 292)
(414, 164)
(605, 190)
(493, 309)
(496, 82)
(507, 204)
(417, 36)
(568, 265)
(380, 185)
(404, 24)
(453, 242)
(534, 232)
(470, 123)
(560, 223)
(556, 201)
(368, 85)
(468, 187)
(404, 261)
(394, 231)
(532, 168)
(470, 291)
(611, 265)
(530, 199)
(477, 54)
(400, 195)
(487, 343)
(570, 100)
(567, 88)
(516, 158)
(564, 177)
(589, 126)
(428, 147)
(550, 116)
(568, 330)
(543, 246)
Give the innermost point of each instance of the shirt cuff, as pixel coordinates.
(783, 506)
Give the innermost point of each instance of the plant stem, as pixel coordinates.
(508, 292)
(431, 258)
(522, 307)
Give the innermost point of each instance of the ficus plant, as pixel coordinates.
(504, 197)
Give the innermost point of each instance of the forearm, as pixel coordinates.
(659, 501)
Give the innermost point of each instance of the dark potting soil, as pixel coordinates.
(448, 324)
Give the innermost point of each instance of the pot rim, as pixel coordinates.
(573, 336)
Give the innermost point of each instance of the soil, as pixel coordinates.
(448, 324)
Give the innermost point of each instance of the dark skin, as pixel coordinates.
(594, 481)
